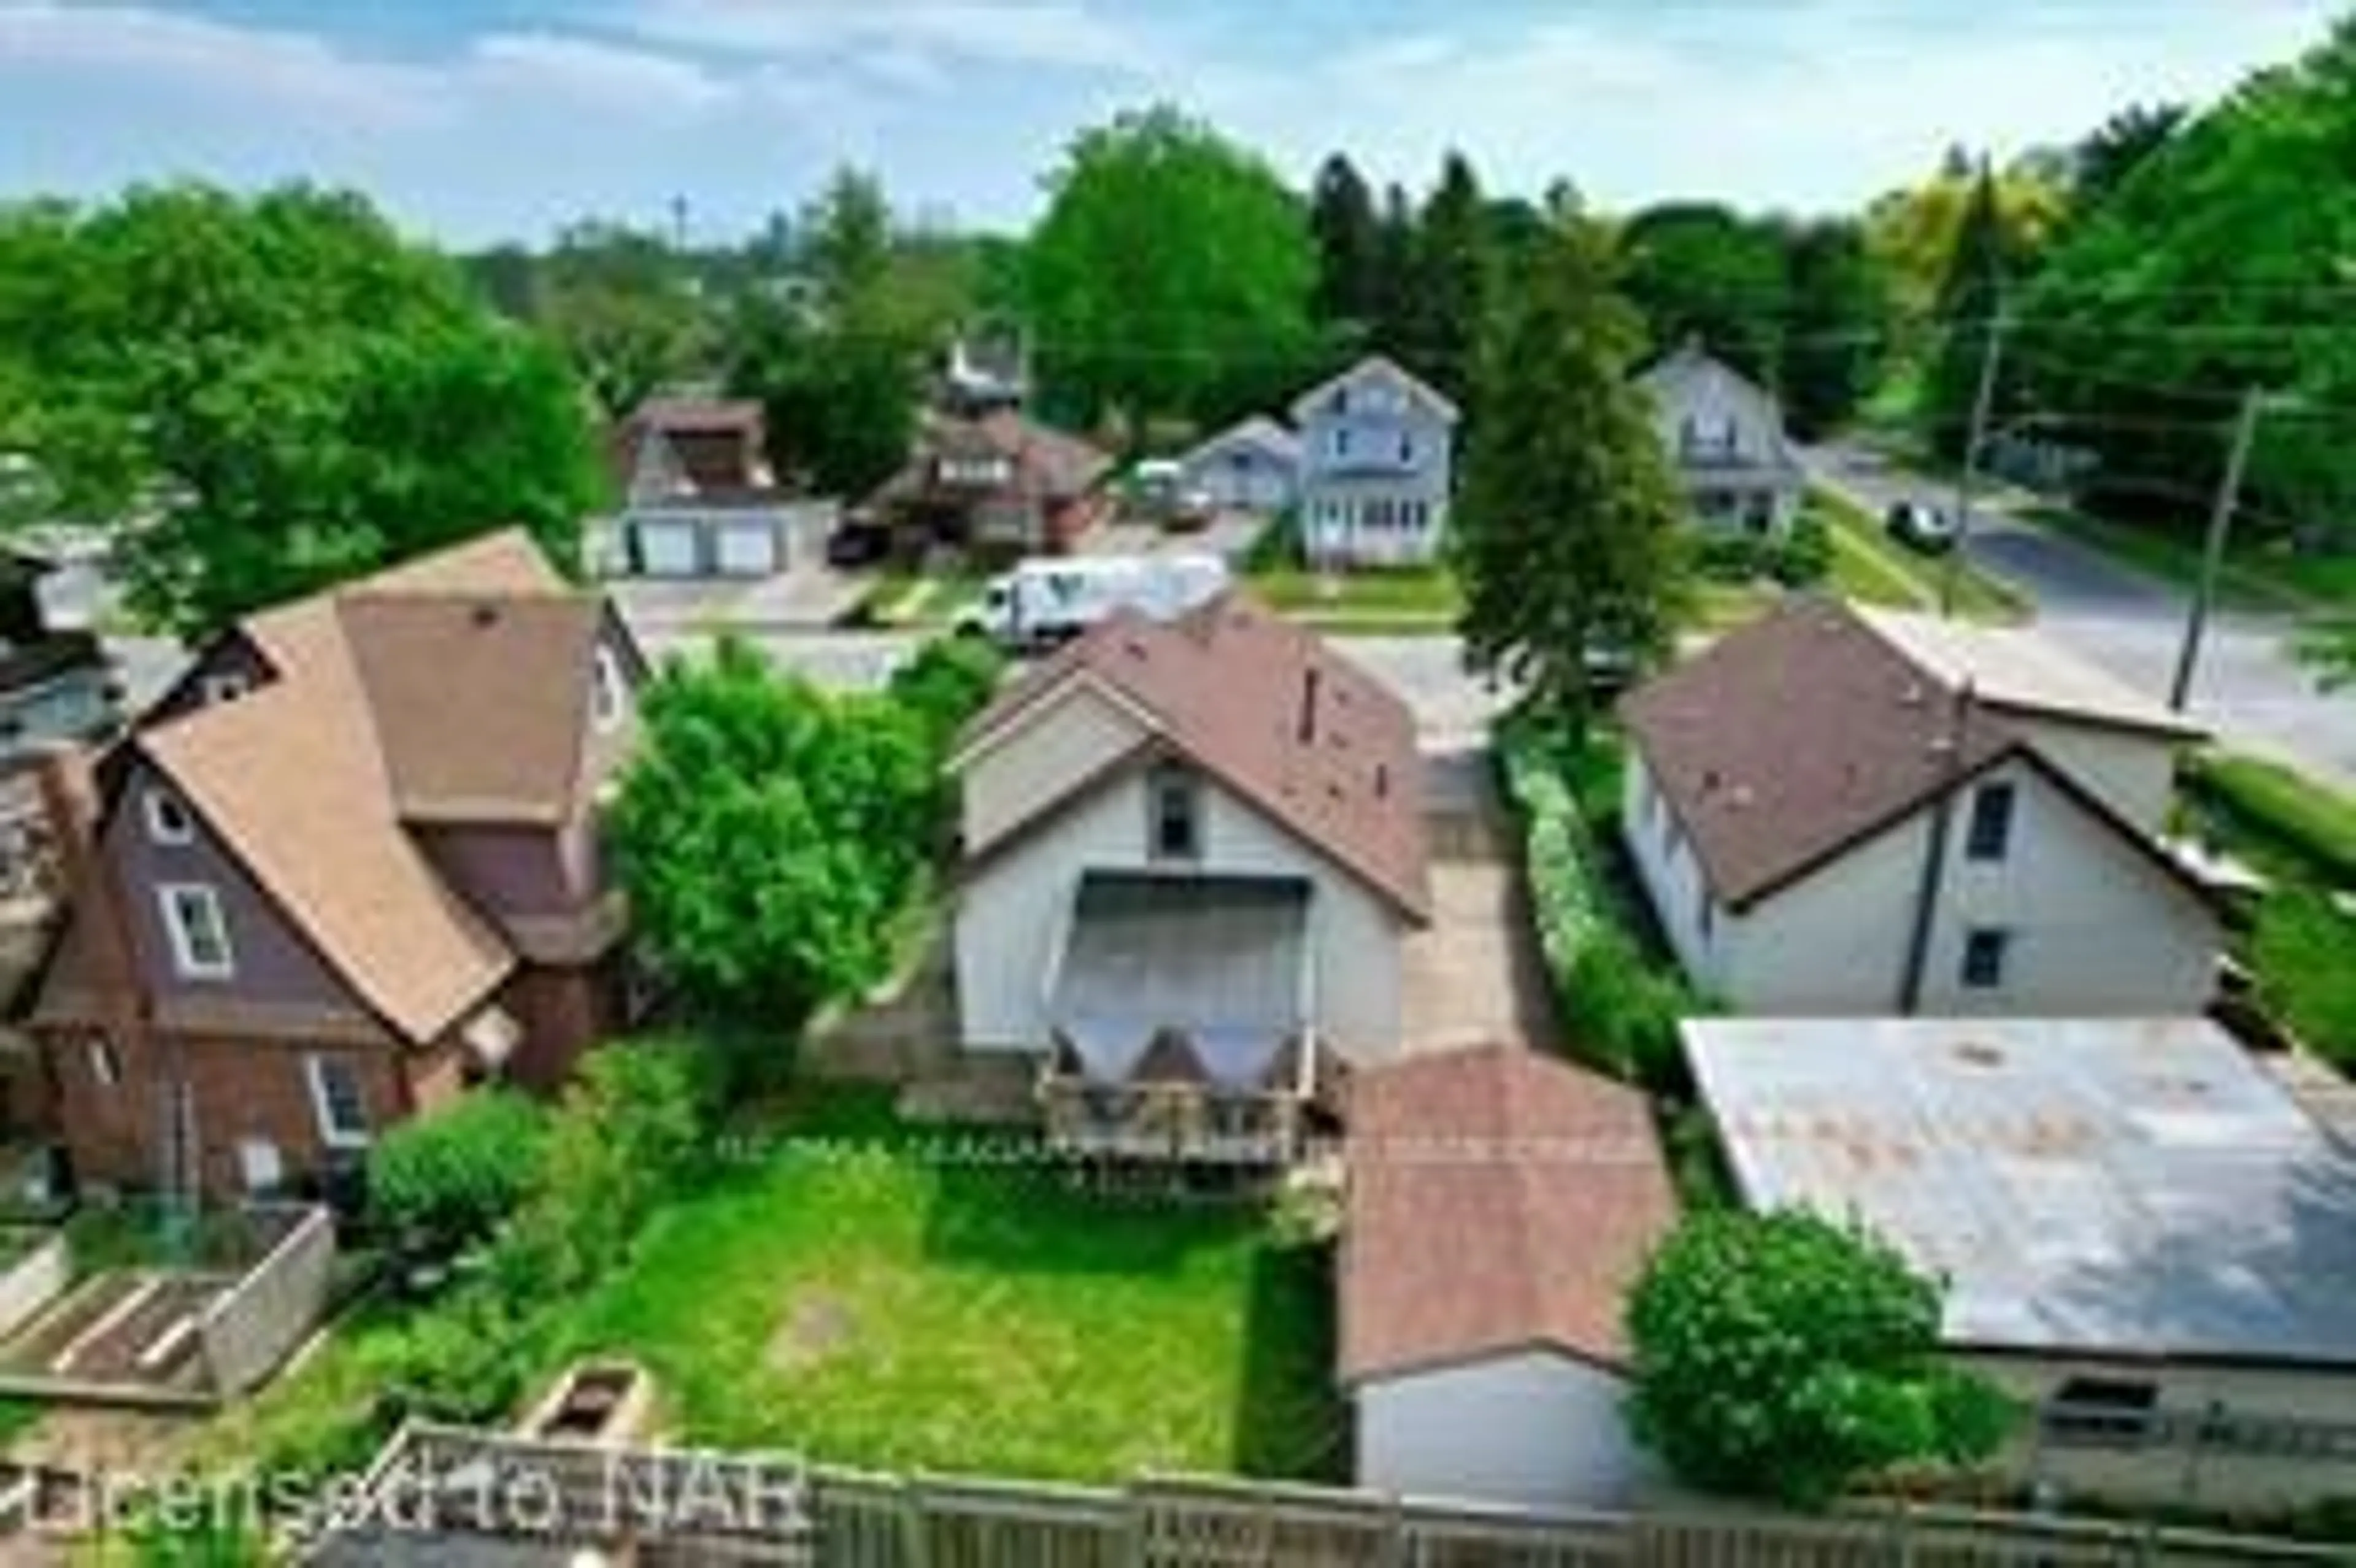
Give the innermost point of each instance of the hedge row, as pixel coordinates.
(1621, 1008)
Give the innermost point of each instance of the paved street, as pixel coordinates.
(2249, 687)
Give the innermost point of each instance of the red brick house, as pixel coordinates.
(347, 865)
(1001, 483)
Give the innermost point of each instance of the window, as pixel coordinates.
(1991, 827)
(105, 1065)
(227, 685)
(2101, 1410)
(608, 699)
(1984, 953)
(258, 1163)
(1177, 815)
(1709, 917)
(1406, 447)
(337, 1101)
(1341, 442)
(199, 933)
(167, 819)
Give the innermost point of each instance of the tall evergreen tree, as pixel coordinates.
(1569, 532)
(1970, 296)
(1342, 216)
(1395, 276)
(1452, 252)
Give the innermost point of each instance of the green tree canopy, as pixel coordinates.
(2221, 261)
(1971, 300)
(837, 369)
(278, 391)
(1836, 335)
(1349, 247)
(1569, 528)
(1783, 1356)
(1171, 275)
(769, 833)
(620, 301)
(1701, 270)
(1453, 255)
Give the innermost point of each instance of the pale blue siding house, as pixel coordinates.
(1377, 467)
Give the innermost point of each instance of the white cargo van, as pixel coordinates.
(1044, 602)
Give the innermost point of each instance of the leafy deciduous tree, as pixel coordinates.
(1837, 330)
(279, 391)
(1171, 275)
(1701, 270)
(769, 834)
(1780, 1355)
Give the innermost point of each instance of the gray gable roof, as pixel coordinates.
(1375, 366)
(1259, 432)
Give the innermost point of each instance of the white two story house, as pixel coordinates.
(1839, 813)
(1377, 467)
(1724, 436)
(1191, 853)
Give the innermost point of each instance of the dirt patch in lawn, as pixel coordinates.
(816, 1325)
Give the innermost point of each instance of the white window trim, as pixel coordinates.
(322, 1108)
(168, 897)
(105, 1064)
(153, 802)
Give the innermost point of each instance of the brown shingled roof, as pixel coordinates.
(1796, 736)
(1274, 714)
(1498, 1200)
(455, 681)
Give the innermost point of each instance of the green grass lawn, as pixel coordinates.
(842, 1296)
(2274, 816)
(1402, 596)
(1873, 568)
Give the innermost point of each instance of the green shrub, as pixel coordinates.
(1784, 1356)
(444, 1181)
(629, 1133)
(1732, 555)
(947, 681)
(460, 1363)
(1806, 555)
(2304, 951)
(1623, 1008)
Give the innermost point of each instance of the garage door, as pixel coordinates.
(666, 549)
(747, 550)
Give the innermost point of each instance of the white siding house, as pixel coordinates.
(1826, 827)
(1377, 467)
(2083, 920)
(1724, 437)
(1191, 852)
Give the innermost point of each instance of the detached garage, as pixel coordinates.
(1254, 467)
(1500, 1205)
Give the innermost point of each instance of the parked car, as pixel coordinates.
(1044, 602)
(1920, 526)
(857, 544)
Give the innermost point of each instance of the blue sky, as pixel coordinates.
(474, 120)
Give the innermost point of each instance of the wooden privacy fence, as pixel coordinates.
(534, 1503)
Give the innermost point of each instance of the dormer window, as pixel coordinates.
(225, 685)
(608, 694)
(167, 820)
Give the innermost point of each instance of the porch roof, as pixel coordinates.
(1219, 961)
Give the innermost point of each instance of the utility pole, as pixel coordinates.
(1982, 405)
(2212, 555)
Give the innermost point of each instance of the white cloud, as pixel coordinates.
(742, 105)
(1066, 34)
